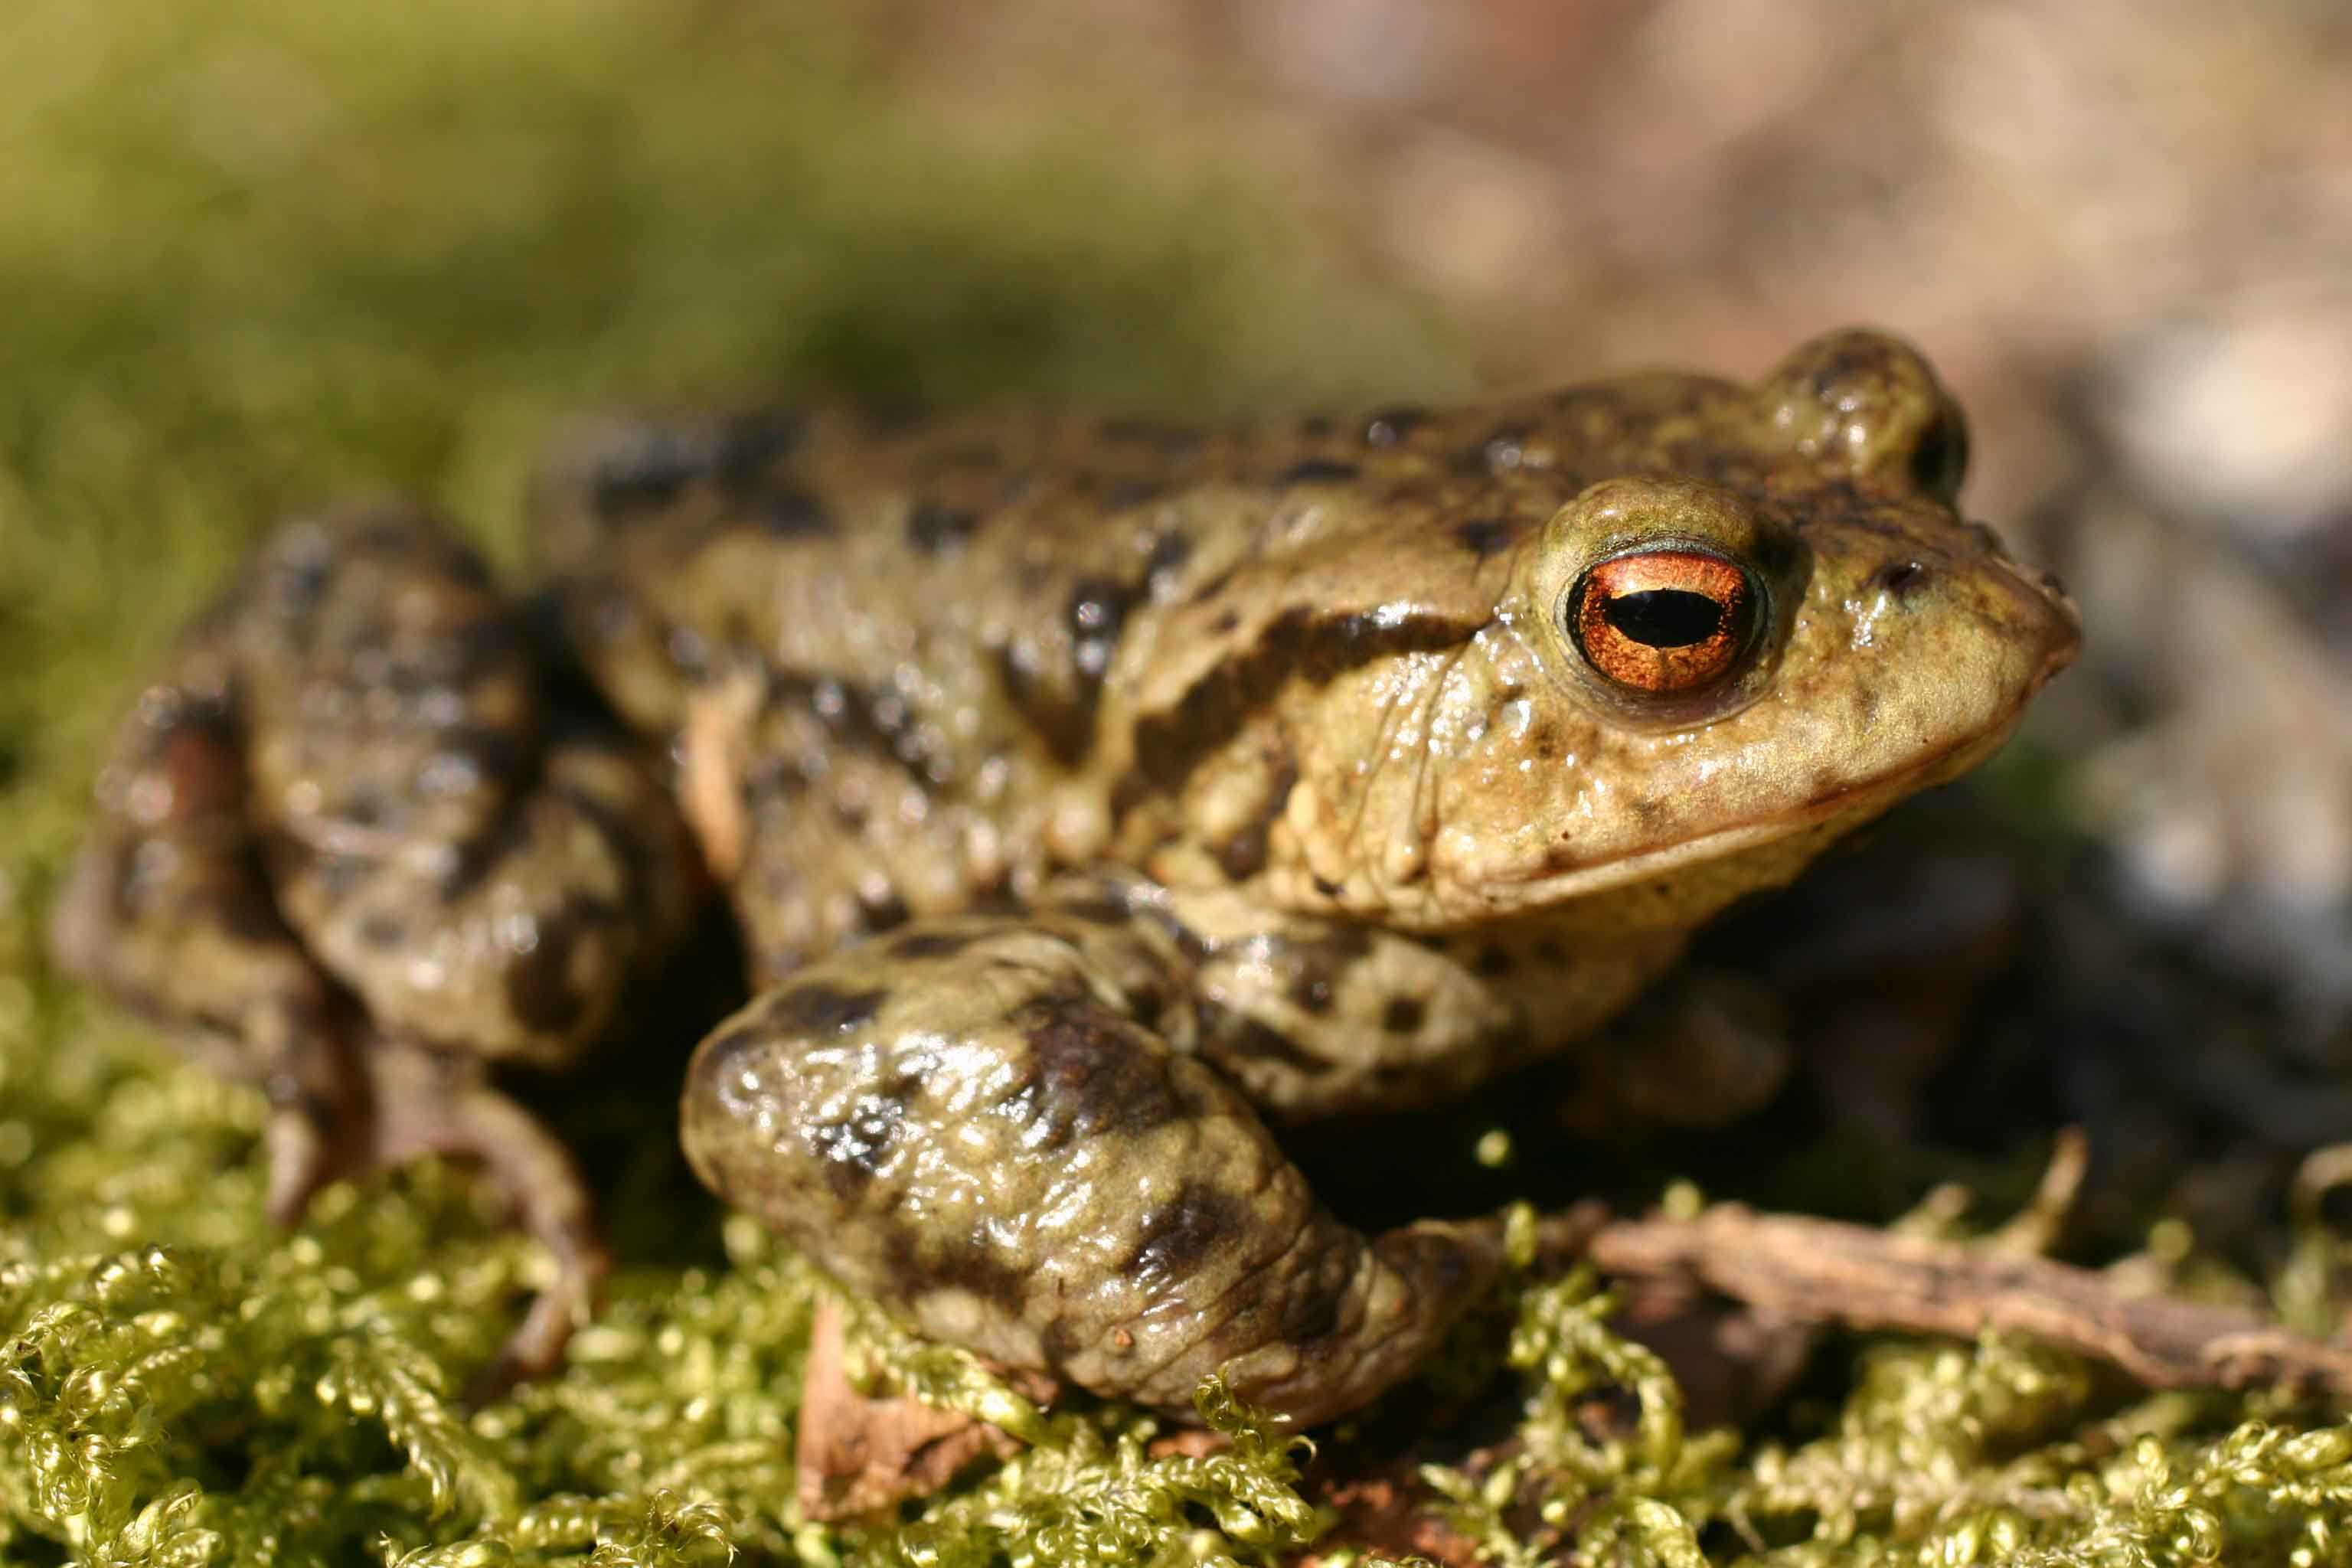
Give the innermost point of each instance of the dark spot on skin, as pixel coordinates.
(1404, 1014)
(1316, 1315)
(1326, 886)
(750, 444)
(1317, 471)
(973, 1266)
(1087, 1075)
(365, 807)
(1170, 551)
(404, 536)
(507, 836)
(1391, 426)
(853, 1148)
(484, 646)
(1213, 587)
(539, 987)
(1051, 716)
(1296, 645)
(878, 722)
(792, 515)
(720, 1052)
(890, 416)
(1228, 1039)
(1484, 536)
(1123, 493)
(814, 1007)
(1176, 1237)
(688, 651)
(993, 896)
(198, 730)
(651, 465)
(296, 585)
(1148, 1005)
(724, 1060)
(774, 778)
(933, 530)
(1437, 1263)
(1493, 962)
(932, 944)
(1063, 713)
(881, 913)
(380, 931)
(1190, 942)
(1226, 621)
(1097, 610)
(1172, 440)
(1102, 909)
(1900, 578)
(473, 757)
(1312, 992)
(337, 877)
(1244, 854)
(1058, 1342)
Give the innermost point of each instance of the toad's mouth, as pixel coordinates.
(1839, 810)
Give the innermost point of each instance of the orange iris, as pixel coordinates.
(1664, 620)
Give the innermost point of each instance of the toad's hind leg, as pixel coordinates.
(351, 847)
(993, 1126)
(167, 906)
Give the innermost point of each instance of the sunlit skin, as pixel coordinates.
(1095, 796)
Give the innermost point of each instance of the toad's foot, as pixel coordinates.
(994, 1126)
(429, 1102)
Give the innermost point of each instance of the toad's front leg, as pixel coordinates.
(999, 1127)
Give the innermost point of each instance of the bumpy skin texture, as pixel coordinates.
(1096, 795)
(345, 842)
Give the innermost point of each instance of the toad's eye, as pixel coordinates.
(1668, 620)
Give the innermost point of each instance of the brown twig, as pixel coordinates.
(1820, 1271)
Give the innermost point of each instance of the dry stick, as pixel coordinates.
(1816, 1271)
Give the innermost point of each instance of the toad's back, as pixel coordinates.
(932, 661)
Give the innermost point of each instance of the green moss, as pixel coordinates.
(261, 253)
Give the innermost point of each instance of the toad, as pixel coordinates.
(1097, 799)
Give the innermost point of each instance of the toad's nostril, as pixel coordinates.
(1901, 578)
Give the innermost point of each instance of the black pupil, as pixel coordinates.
(1663, 618)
